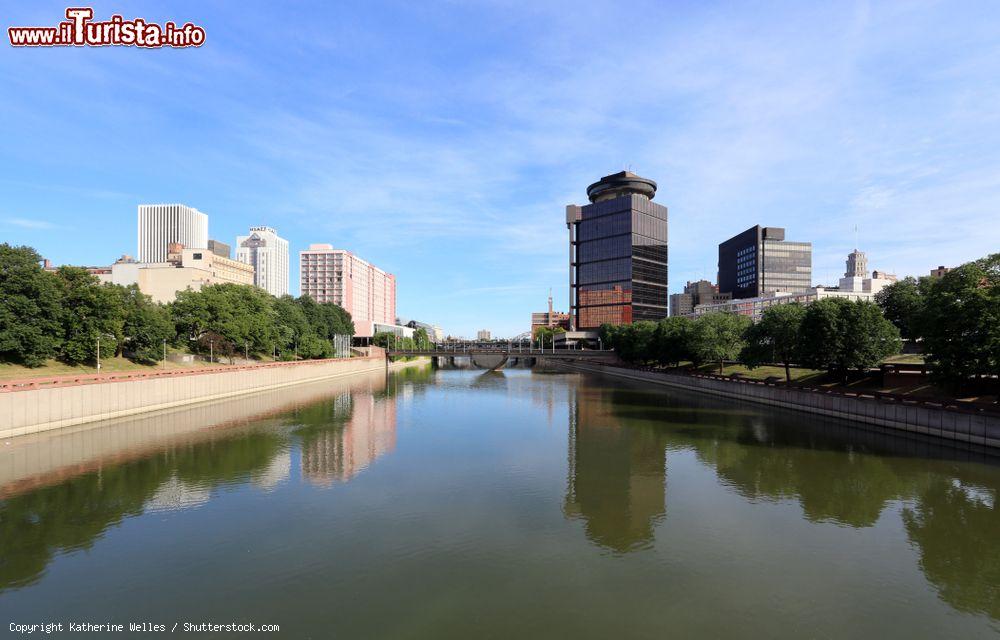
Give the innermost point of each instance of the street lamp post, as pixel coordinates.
(164, 353)
(99, 349)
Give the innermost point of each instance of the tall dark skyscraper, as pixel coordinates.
(618, 253)
(760, 262)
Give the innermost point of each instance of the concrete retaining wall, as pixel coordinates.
(34, 410)
(959, 425)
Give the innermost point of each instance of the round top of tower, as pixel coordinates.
(620, 184)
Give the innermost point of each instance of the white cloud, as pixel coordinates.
(29, 223)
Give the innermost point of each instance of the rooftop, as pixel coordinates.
(620, 184)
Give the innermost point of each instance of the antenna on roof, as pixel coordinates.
(855, 237)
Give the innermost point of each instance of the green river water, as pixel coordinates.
(520, 504)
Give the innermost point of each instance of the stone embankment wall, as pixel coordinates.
(53, 403)
(952, 423)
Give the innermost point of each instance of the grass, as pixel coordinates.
(108, 365)
(906, 358)
(920, 388)
(801, 376)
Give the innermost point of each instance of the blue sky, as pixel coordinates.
(442, 141)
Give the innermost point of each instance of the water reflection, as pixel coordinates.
(955, 527)
(61, 492)
(925, 504)
(338, 446)
(946, 497)
(617, 475)
(72, 514)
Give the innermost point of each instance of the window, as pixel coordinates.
(196, 256)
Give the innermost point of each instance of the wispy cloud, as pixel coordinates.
(443, 143)
(29, 223)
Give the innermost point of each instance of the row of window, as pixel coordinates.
(611, 225)
(606, 271)
(606, 293)
(622, 222)
(593, 317)
(657, 252)
(654, 272)
(604, 248)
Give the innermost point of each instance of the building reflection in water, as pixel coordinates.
(276, 472)
(364, 429)
(948, 498)
(617, 475)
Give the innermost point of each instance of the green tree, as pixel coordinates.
(839, 335)
(547, 335)
(421, 339)
(147, 325)
(776, 338)
(294, 333)
(388, 340)
(242, 315)
(822, 334)
(902, 303)
(609, 335)
(718, 337)
(30, 308)
(961, 323)
(328, 320)
(672, 341)
(91, 312)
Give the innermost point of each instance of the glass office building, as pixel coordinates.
(618, 253)
(760, 262)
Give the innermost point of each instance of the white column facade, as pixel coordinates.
(161, 224)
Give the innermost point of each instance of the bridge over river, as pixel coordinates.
(497, 355)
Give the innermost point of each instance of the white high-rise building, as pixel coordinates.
(268, 253)
(163, 224)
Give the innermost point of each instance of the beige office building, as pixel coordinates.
(184, 269)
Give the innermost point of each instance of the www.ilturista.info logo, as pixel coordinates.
(79, 30)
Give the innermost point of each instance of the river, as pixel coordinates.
(517, 504)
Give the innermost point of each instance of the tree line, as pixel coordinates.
(63, 315)
(955, 319)
(832, 334)
(419, 342)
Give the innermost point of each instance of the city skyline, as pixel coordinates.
(453, 171)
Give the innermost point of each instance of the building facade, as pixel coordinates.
(857, 265)
(483, 335)
(220, 248)
(549, 319)
(940, 271)
(362, 289)
(852, 287)
(182, 270)
(268, 254)
(695, 293)
(434, 332)
(760, 262)
(164, 224)
(618, 253)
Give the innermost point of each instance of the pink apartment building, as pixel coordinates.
(362, 289)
